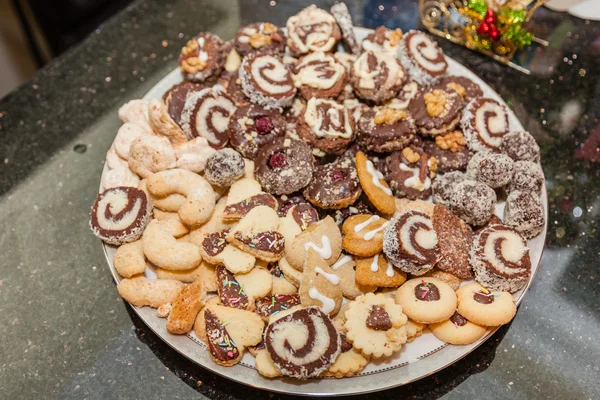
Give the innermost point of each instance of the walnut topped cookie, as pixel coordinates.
(383, 39)
(260, 37)
(385, 130)
(202, 58)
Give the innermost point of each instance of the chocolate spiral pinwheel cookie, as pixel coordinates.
(120, 215)
(262, 37)
(233, 86)
(266, 80)
(319, 75)
(422, 57)
(175, 98)
(326, 125)
(202, 58)
(377, 76)
(484, 123)
(206, 114)
(500, 259)
(252, 126)
(312, 29)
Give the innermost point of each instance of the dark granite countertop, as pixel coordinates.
(66, 333)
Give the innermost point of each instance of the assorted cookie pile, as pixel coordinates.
(280, 195)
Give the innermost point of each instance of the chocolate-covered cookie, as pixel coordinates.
(409, 173)
(422, 57)
(252, 126)
(233, 86)
(284, 166)
(319, 75)
(450, 150)
(202, 58)
(334, 185)
(175, 98)
(383, 39)
(262, 37)
(312, 29)
(266, 80)
(385, 130)
(473, 201)
(436, 111)
(460, 84)
(405, 95)
(377, 76)
(326, 125)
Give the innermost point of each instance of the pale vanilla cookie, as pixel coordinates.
(405, 204)
(378, 271)
(136, 111)
(194, 154)
(257, 283)
(374, 186)
(281, 285)
(149, 154)
(290, 273)
(215, 222)
(427, 300)
(257, 234)
(163, 250)
(185, 308)
(208, 276)
(414, 329)
(264, 364)
(484, 307)
(344, 268)
(170, 203)
(323, 237)
(129, 259)
(363, 234)
(457, 330)
(228, 332)
(141, 291)
(185, 276)
(216, 250)
(349, 363)
(375, 325)
(444, 276)
(319, 285)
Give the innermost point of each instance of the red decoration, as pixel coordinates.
(488, 26)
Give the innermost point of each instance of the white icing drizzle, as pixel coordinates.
(495, 125)
(327, 304)
(414, 181)
(276, 72)
(314, 119)
(307, 73)
(334, 279)
(316, 19)
(376, 177)
(371, 234)
(343, 260)
(390, 269)
(375, 263)
(424, 51)
(367, 76)
(325, 251)
(427, 239)
(200, 42)
(363, 225)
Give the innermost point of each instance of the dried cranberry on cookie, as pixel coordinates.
(334, 185)
(252, 126)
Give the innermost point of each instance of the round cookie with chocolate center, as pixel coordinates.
(252, 126)
(436, 111)
(266, 80)
(312, 29)
(175, 98)
(484, 307)
(334, 185)
(450, 150)
(426, 300)
(262, 37)
(385, 130)
(202, 58)
(383, 39)
(524, 213)
(458, 330)
(284, 166)
(495, 170)
(411, 243)
(500, 259)
(326, 125)
(460, 84)
(484, 123)
(520, 146)
(206, 114)
(473, 202)
(319, 74)
(120, 215)
(409, 173)
(422, 57)
(377, 76)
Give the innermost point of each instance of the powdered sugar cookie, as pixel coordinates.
(426, 300)
(193, 155)
(129, 260)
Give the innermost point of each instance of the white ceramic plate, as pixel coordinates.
(424, 356)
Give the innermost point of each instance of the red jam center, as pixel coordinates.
(278, 160)
(263, 125)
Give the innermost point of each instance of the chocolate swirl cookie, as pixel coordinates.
(326, 125)
(385, 130)
(266, 80)
(120, 215)
(422, 57)
(233, 86)
(175, 98)
(206, 114)
(312, 29)
(303, 344)
(262, 37)
(202, 58)
(383, 39)
(252, 126)
(484, 123)
(411, 243)
(500, 259)
(377, 76)
(319, 75)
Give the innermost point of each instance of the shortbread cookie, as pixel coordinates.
(484, 307)
(422, 57)
(344, 268)
(185, 276)
(323, 237)
(257, 283)
(231, 292)
(411, 243)
(303, 344)
(228, 332)
(290, 273)
(350, 361)
(264, 364)
(320, 286)
(274, 304)
(457, 330)
(281, 285)
(257, 234)
(452, 280)
(185, 308)
(373, 184)
(363, 234)
(163, 250)
(129, 260)
(454, 241)
(426, 300)
(414, 329)
(375, 325)
(216, 250)
(141, 291)
(378, 271)
(403, 205)
(312, 29)
(484, 123)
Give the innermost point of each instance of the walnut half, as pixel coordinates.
(410, 155)
(435, 102)
(394, 37)
(452, 141)
(259, 40)
(389, 116)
